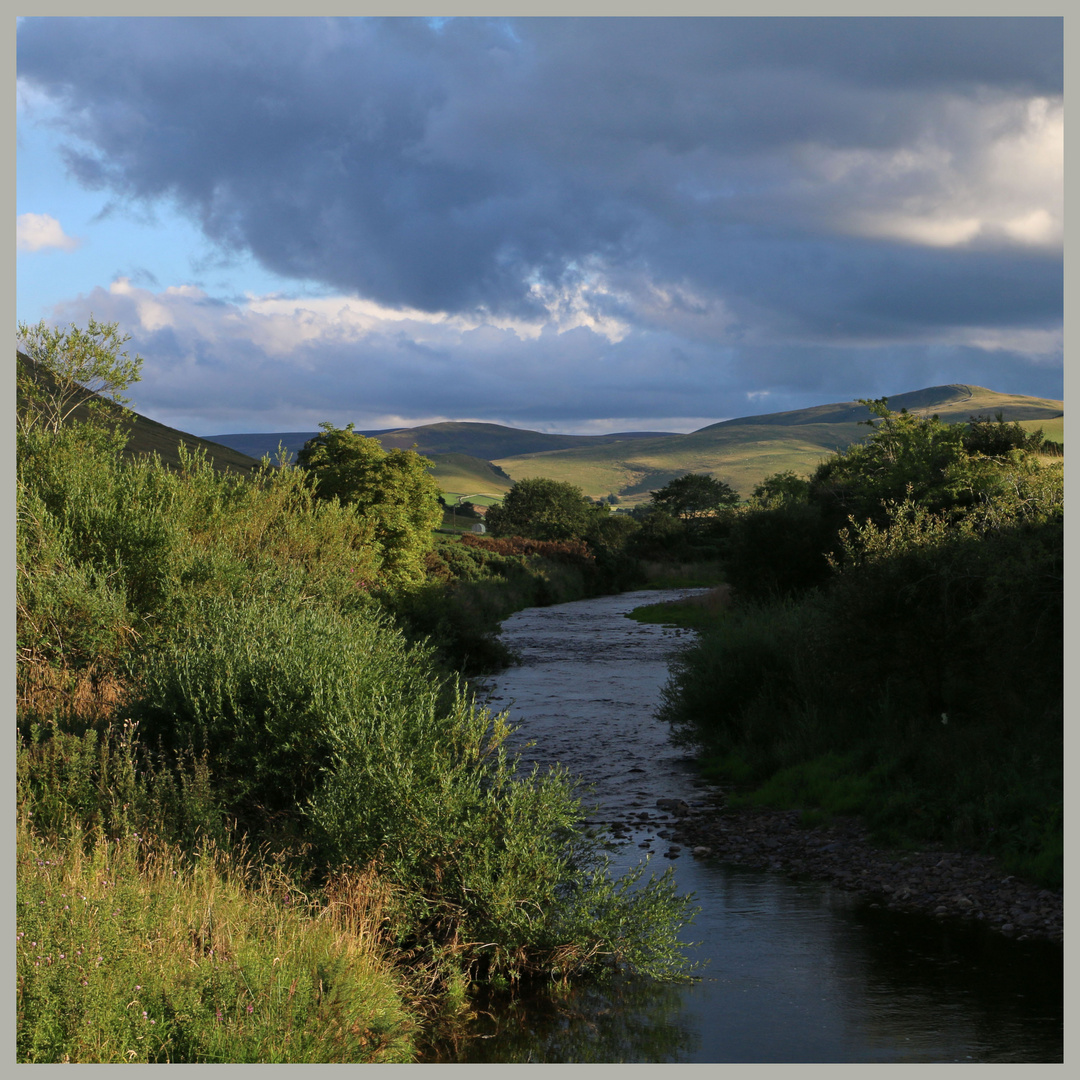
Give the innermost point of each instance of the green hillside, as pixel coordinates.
(484, 441)
(744, 450)
(461, 475)
(146, 436)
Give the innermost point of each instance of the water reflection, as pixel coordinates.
(614, 1022)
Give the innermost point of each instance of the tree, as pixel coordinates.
(392, 489)
(542, 509)
(695, 497)
(995, 438)
(906, 456)
(781, 489)
(68, 370)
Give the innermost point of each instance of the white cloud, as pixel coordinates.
(275, 363)
(988, 173)
(34, 232)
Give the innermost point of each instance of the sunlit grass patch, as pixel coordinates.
(692, 612)
(127, 953)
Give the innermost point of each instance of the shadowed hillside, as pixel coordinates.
(146, 436)
(488, 442)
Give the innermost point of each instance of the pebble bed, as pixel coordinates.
(933, 881)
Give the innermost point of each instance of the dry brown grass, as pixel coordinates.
(86, 696)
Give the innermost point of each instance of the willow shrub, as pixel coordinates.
(335, 730)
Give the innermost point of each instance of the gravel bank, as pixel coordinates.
(933, 881)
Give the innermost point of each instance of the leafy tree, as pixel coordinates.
(392, 489)
(906, 456)
(660, 534)
(543, 509)
(695, 498)
(995, 438)
(68, 370)
(781, 489)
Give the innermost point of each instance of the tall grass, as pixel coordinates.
(128, 952)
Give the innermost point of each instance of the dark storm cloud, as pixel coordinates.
(454, 168)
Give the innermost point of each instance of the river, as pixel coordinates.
(795, 971)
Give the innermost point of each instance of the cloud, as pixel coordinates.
(575, 221)
(36, 232)
(487, 165)
(275, 363)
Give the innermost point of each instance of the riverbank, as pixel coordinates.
(931, 881)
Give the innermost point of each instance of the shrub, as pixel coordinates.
(337, 730)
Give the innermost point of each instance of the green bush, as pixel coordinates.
(337, 731)
(928, 672)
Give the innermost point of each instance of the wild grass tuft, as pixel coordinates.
(128, 952)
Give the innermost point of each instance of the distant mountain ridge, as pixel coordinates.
(473, 459)
(741, 451)
(484, 441)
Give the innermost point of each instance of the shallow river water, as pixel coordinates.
(795, 971)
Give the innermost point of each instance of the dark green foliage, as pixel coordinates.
(695, 498)
(780, 549)
(661, 536)
(542, 510)
(995, 438)
(781, 489)
(918, 681)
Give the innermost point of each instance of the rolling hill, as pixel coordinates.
(742, 451)
(488, 442)
(481, 461)
(146, 436)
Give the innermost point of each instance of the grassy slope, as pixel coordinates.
(745, 450)
(461, 474)
(147, 436)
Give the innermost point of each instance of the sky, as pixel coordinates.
(578, 225)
